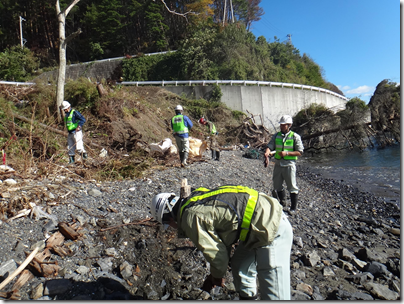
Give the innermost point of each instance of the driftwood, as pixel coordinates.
(185, 189)
(68, 232)
(25, 277)
(19, 269)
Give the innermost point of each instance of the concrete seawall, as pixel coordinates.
(269, 102)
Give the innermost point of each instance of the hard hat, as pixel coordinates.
(286, 119)
(202, 120)
(179, 108)
(65, 105)
(163, 203)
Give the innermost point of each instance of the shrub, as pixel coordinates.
(17, 64)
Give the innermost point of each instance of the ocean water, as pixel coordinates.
(374, 170)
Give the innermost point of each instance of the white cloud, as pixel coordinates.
(343, 88)
(361, 90)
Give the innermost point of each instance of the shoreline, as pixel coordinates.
(144, 262)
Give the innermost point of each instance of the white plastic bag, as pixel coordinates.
(162, 146)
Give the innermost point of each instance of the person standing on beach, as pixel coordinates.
(74, 122)
(288, 146)
(212, 136)
(181, 124)
(216, 219)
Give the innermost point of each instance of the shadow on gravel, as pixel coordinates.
(102, 289)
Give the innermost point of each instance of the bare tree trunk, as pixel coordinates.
(62, 14)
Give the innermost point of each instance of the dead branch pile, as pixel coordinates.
(250, 133)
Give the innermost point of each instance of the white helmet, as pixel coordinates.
(163, 203)
(179, 108)
(65, 105)
(286, 119)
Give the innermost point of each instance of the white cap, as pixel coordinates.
(65, 105)
(286, 119)
(179, 108)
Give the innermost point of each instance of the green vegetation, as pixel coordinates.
(17, 64)
(228, 53)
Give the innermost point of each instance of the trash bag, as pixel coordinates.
(197, 146)
(252, 153)
(162, 146)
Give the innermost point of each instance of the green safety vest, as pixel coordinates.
(284, 146)
(213, 131)
(69, 122)
(178, 124)
(240, 199)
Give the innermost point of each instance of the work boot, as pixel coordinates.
(184, 162)
(213, 154)
(85, 156)
(282, 198)
(71, 159)
(181, 157)
(217, 155)
(293, 200)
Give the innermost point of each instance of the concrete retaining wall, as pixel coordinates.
(270, 102)
(96, 70)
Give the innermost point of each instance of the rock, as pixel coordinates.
(328, 272)
(395, 231)
(361, 296)
(345, 265)
(111, 252)
(301, 275)
(299, 296)
(368, 220)
(361, 278)
(83, 270)
(311, 259)
(150, 293)
(298, 241)
(346, 255)
(305, 288)
(8, 268)
(37, 292)
(126, 270)
(377, 269)
(365, 254)
(105, 264)
(94, 192)
(381, 292)
(358, 263)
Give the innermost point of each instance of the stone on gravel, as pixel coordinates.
(37, 292)
(94, 192)
(381, 292)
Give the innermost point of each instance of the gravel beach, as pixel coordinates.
(346, 242)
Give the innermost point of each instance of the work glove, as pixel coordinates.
(211, 282)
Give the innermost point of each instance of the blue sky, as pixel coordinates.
(356, 42)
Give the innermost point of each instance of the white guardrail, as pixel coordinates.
(233, 82)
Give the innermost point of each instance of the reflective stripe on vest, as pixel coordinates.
(247, 213)
(179, 125)
(69, 121)
(284, 146)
